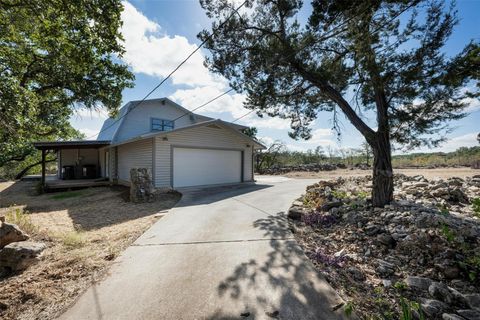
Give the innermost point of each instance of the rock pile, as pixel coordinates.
(423, 248)
(313, 167)
(16, 253)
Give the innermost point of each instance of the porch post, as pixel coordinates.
(43, 167)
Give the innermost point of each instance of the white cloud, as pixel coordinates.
(99, 113)
(230, 103)
(91, 134)
(149, 51)
(472, 104)
(266, 140)
(322, 137)
(466, 140)
(266, 122)
(192, 98)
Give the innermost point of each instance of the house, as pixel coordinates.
(181, 149)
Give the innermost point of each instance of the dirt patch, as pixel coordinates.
(442, 173)
(84, 231)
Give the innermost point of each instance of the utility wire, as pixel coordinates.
(174, 70)
(203, 105)
(325, 36)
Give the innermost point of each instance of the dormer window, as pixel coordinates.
(161, 124)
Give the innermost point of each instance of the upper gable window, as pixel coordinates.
(161, 124)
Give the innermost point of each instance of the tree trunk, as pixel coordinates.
(25, 170)
(382, 192)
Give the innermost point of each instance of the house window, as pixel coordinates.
(161, 124)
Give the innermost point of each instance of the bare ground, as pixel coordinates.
(84, 231)
(442, 173)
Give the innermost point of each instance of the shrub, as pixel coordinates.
(408, 308)
(476, 207)
(73, 239)
(21, 218)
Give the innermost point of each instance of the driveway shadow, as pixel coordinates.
(283, 285)
(207, 195)
(86, 209)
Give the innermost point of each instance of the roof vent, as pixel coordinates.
(192, 117)
(163, 102)
(214, 126)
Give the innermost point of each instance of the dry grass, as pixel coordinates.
(442, 173)
(84, 231)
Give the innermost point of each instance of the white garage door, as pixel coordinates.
(196, 167)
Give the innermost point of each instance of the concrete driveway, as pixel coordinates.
(221, 253)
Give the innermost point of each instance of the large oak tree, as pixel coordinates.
(357, 57)
(55, 56)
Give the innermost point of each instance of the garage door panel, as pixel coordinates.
(194, 167)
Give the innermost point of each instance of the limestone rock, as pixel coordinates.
(295, 213)
(433, 308)
(440, 291)
(469, 314)
(451, 316)
(473, 300)
(386, 239)
(385, 268)
(19, 256)
(329, 205)
(141, 185)
(418, 282)
(356, 273)
(10, 233)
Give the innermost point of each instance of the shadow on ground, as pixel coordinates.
(299, 291)
(207, 195)
(88, 209)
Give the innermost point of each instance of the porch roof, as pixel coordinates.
(78, 144)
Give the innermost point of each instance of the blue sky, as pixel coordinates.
(159, 34)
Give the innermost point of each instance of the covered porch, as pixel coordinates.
(79, 163)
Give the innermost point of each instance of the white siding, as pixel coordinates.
(134, 155)
(138, 120)
(202, 137)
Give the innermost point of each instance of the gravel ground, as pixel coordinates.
(443, 173)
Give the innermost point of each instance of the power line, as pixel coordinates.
(175, 69)
(203, 105)
(246, 114)
(328, 34)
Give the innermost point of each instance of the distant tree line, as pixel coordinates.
(277, 154)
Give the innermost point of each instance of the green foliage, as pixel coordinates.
(443, 210)
(448, 233)
(362, 195)
(476, 206)
(251, 132)
(349, 308)
(67, 195)
(463, 156)
(393, 61)
(471, 266)
(339, 194)
(55, 57)
(407, 310)
(400, 285)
